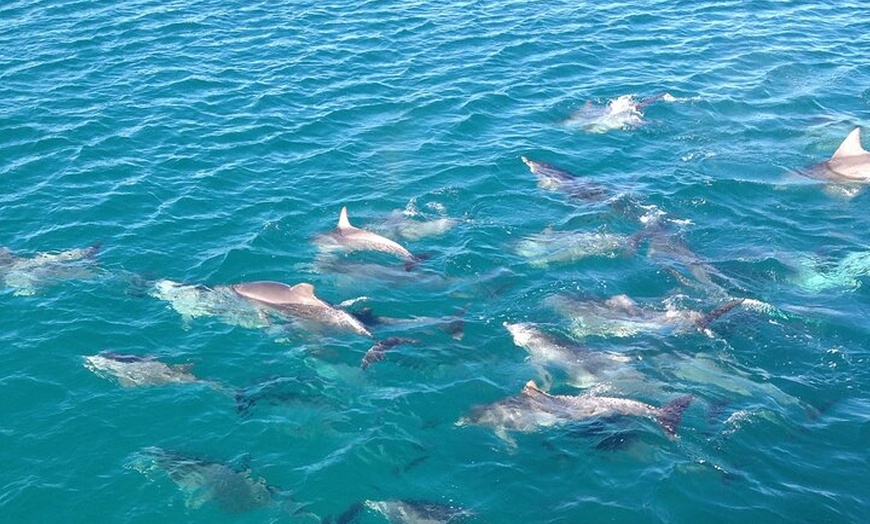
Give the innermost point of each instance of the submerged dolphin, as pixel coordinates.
(349, 238)
(26, 275)
(135, 370)
(850, 162)
(620, 316)
(624, 112)
(203, 481)
(193, 301)
(533, 409)
(845, 274)
(413, 225)
(399, 511)
(585, 367)
(554, 178)
(561, 247)
(299, 301)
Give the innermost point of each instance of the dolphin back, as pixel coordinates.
(277, 293)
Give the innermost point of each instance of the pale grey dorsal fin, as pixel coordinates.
(532, 389)
(343, 222)
(304, 294)
(851, 146)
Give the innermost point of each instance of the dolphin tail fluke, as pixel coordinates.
(377, 352)
(671, 414)
(93, 250)
(416, 259)
(717, 312)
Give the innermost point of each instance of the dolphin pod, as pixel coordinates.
(534, 408)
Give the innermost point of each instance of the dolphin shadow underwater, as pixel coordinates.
(232, 489)
(26, 276)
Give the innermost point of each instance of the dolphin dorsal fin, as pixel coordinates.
(304, 293)
(531, 388)
(343, 222)
(851, 146)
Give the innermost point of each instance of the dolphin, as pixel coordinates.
(348, 238)
(26, 275)
(624, 112)
(561, 247)
(136, 371)
(850, 162)
(255, 305)
(718, 376)
(412, 225)
(553, 178)
(299, 301)
(194, 301)
(534, 408)
(620, 316)
(670, 251)
(399, 511)
(378, 352)
(203, 481)
(418, 511)
(845, 274)
(585, 367)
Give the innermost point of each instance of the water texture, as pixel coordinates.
(207, 143)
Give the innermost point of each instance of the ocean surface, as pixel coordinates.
(148, 146)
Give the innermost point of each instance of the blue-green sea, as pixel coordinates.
(198, 144)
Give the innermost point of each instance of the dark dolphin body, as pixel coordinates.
(557, 179)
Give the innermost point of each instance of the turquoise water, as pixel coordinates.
(209, 143)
